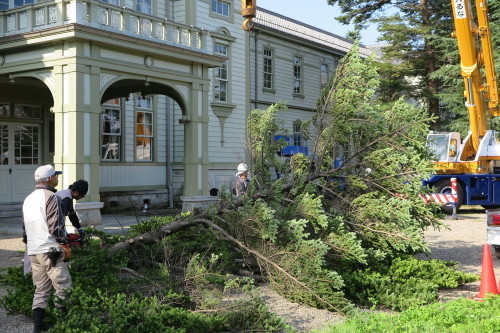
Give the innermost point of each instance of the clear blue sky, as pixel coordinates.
(318, 14)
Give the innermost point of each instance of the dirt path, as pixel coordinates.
(463, 242)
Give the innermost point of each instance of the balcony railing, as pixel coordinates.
(104, 16)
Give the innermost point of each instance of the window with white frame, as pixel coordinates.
(220, 8)
(144, 129)
(4, 4)
(20, 3)
(297, 133)
(221, 75)
(297, 75)
(112, 2)
(144, 6)
(27, 111)
(268, 68)
(111, 130)
(4, 109)
(323, 76)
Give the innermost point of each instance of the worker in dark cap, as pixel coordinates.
(76, 191)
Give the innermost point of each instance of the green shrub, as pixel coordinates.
(462, 315)
(406, 283)
(109, 297)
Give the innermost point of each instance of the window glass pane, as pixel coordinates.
(220, 8)
(220, 49)
(144, 102)
(111, 123)
(297, 75)
(221, 80)
(112, 2)
(324, 75)
(110, 134)
(144, 136)
(28, 111)
(110, 147)
(26, 144)
(20, 3)
(113, 101)
(4, 110)
(144, 6)
(4, 145)
(268, 68)
(4, 4)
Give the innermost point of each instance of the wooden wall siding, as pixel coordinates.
(160, 129)
(234, 126)
(178, 180)
(284, 52)
(128, 135)
(161, 8)
(224, 158)
(133, 175)
(177, 132)
(179, 11)
(222, 176)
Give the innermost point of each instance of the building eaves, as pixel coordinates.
(75, 30)
(295, 28)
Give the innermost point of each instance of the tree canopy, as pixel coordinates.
(338, 228)
(422, 61)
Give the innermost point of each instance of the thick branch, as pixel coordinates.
(151, 237)
(171, 228)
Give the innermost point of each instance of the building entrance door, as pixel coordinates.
(19, 158)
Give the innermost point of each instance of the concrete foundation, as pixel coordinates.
(89, 213)
(189, 203)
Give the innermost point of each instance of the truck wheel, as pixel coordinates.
(444, 186)
(497, 251)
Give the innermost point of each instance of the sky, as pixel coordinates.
(318, 14)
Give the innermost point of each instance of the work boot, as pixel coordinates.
(39, 326)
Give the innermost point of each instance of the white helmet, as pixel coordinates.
(242, 168)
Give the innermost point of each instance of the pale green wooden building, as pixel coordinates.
(146, 99)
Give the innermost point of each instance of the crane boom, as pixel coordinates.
(472, 162)
(471, 61)
(475, 153)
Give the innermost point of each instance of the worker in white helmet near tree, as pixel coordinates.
(242, 180)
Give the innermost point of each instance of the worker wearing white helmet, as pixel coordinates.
(242, 180)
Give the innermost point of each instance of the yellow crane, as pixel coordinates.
(471, 161)
(475, 153)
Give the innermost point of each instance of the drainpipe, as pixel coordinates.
(169, 162)
(256, 78)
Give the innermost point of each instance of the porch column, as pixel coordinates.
(77, 110)
(196, 191)
(196, 143)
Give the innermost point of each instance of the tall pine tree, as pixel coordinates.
(422, 57)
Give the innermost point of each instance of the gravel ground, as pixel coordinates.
(463, 242)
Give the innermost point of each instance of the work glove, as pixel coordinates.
(67, 251)
(82, 233)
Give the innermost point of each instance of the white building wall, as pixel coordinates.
(128, 135)
(302, 106)
(160, 129)
(244, 94)
(224, 157)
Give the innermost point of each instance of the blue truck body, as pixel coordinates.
(477, 189)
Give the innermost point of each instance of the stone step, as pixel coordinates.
(8, 210)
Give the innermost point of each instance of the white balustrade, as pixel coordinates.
(100, 15)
